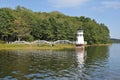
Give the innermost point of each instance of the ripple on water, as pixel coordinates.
(8, 78)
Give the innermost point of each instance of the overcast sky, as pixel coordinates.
(103, 11)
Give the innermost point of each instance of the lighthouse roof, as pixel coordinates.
(80, 29)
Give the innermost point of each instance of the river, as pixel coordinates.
(91, 63)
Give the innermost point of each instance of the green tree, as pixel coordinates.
(6, 24)
(24, 24)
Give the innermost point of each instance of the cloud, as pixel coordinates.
(111, 4)
(67, 3)
(105, 5)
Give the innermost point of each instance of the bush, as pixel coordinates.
(28, 38)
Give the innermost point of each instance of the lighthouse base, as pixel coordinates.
(79, 44)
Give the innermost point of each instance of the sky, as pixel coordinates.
(103, 11)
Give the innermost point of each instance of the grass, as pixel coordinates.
(36, 46)
(42, 46)
(99, 44)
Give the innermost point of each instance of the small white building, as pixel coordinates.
(80, 38)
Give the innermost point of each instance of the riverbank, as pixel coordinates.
(42, 46)
(99, 44)
(36, 46)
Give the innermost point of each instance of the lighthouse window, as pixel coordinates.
(79, 34)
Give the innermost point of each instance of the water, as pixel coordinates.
(92, 63)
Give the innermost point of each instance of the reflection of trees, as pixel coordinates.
(21, 64)
(12, 64)
(97, 53)
(6, 61)
(97, 61)
(52, 60)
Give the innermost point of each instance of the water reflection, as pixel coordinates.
(36, 64)
(81, 55)
(97, 64)
(90, 63)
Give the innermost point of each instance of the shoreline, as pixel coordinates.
(42, 47)
(99, 45)
(35, 47)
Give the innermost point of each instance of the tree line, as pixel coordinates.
(24, 24)
(113, 40)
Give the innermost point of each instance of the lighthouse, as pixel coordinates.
(80, 37)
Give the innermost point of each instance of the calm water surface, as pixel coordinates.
(91, 63)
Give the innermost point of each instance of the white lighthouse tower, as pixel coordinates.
(80, 38)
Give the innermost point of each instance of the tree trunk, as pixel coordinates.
(19, 38)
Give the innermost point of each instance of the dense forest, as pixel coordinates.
(24, 24)
(113, 40)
